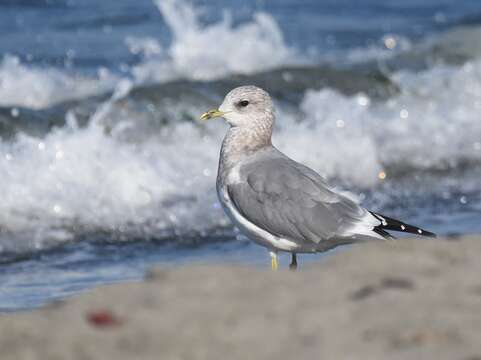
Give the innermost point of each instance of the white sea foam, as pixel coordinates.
(78, 180)
(83, 179)
(37, 88)
(211, 51)
(199, 52)
(433, 124)
(332, 137)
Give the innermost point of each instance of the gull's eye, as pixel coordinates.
(243, 103)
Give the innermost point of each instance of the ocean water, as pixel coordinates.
(105, 170)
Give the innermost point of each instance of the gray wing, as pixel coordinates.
(292, 201)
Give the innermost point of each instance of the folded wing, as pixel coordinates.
(292, 201)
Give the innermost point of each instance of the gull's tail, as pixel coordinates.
(388, 223)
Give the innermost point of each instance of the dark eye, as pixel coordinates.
(243, 103)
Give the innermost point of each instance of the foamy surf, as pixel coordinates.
(252, 46)
(431, 125)
(38, 88)
(82, 180)
(211, 51)
(125, 171)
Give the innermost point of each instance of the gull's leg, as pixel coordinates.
(273, 255)
(293, 264)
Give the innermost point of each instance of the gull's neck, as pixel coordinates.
(242, 141)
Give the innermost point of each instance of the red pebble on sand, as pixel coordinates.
(103, 318)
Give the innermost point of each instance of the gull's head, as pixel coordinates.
(245, 106)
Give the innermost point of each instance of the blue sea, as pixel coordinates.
(105, 170)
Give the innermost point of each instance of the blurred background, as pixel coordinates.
(105, 169)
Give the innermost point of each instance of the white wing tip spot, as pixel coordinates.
(403, 227)
(420, 231)
(383, 221)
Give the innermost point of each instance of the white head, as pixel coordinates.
(245, 106)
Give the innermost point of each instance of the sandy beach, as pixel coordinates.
(416, 299)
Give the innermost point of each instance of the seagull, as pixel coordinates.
(278, 202)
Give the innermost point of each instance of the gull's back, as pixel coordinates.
(293, 202)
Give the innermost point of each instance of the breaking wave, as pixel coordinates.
(116, 173)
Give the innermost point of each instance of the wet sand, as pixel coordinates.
(409, 299)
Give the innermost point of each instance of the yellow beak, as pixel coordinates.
(214, 113)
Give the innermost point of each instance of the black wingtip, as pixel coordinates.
(428, 234)
(391, 224)
(383, 233)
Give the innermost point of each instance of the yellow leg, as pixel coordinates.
(274, 263)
